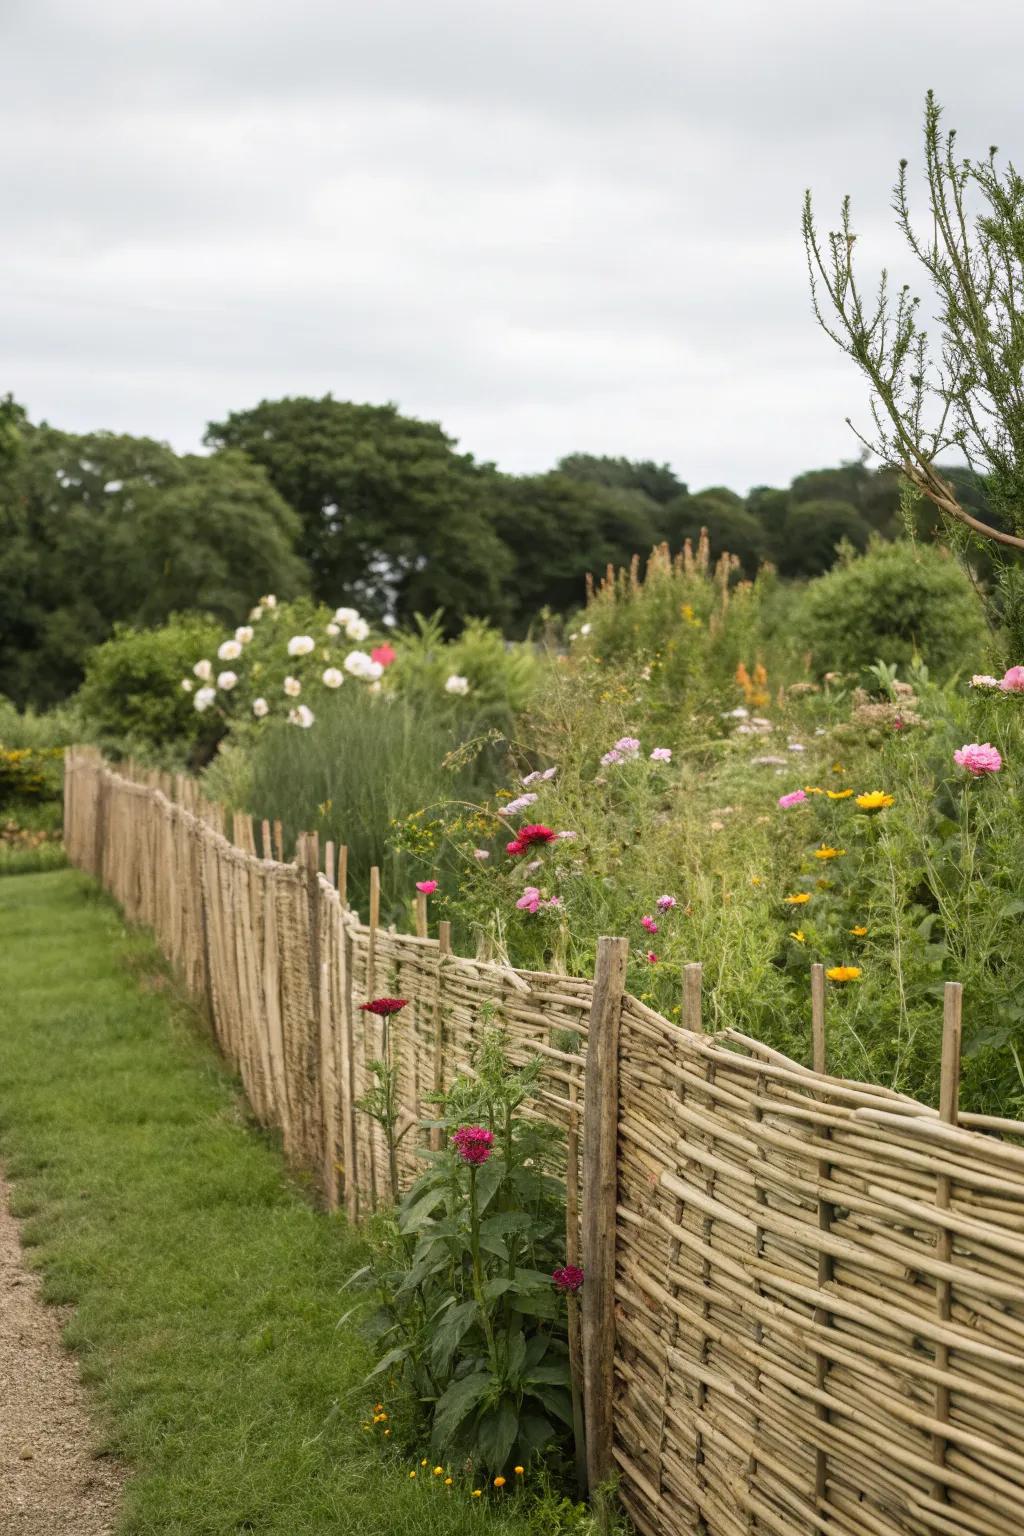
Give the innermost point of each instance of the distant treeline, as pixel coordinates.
(363, 506)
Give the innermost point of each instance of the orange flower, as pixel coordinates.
(843, 972)
(799, 900)
(828, 853)
(839, 794)
(518, 1471)
(499, 1482)
(859, 933)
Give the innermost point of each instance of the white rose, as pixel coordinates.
(260, 707)
(187, 684)
(292, 687)
(204, 698)
(270, 601)
(229, 651)
(243, 634)
(333, 678)
(584, 629)
(334, 630)
(375, 687)
(301, 645)
(255, 614)
(203, 670)
(226, 680)
(357, 662)
(357, 629)
(303, 716)
(457, 684)
(345, 615)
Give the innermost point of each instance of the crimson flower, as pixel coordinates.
(529, 837)
(568, 1279)
(474, 1144)
(428, 887)
(384, 1007)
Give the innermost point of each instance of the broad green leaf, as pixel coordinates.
(496, 1434)
(393, 1357)
(457, 1402)
(449, 1332)
(555, 1399)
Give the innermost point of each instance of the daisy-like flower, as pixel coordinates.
(229, 651)
(204, 698)
(661, 755)
(292, 687)
(844, 972)
(270, 601)
(357, 630)
(301, 645)
(303, 716)
(798, 935)
(260, 708)
(828, 853)
(875, 800)
(800, 899)
(839, 794)
(343, 616)
(859, 932)
(332, 677)
(456, 684)
(244, 633)
(203, 670)
(795, 797)
(226, 680)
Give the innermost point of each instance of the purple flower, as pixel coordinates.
(665, 903)
(613, 756)
(515, 806)
(568, 1279)
(628, 745)
(474, 1144)
(661, 755)
(795, 797)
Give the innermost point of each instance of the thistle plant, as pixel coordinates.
(381, 1101)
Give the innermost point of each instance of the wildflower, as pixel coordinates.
(661, 755)
(477, 1493)
(769, 762)
(795, 746)
(568, 1279)
(828, 853)
(357, 629)
(652, 958)
(384, 654)
(270, 601)
(386, 1433)
(204, 698)
(334, 630)
(379, 1408)
(244, 633)
(518, 1471)
(528, 837)
(812, 789)
(978, 759)
(358, 664)
(456, 684)
(839, 794)
(756, 880)
(187, 684)
(292, 687)
(515, 806)
(739, 713)
(449, 1481)
(343, 616)
(799, 900)
(227, 680)
(795, 797)
(555, 901)
(611, 757)
(665, 903)
(413, 1472)
(567, 837)
(797, 934)
(384, 1007)
(529, 901)
(538, 777)
(481, 854)
(875, 800)
(260, 707)
(649, 924)
(439, 1471)
(983, 680)
(629, 746)
(499, 1482)
(428, 887)
(203, 670)
(301, 645)
(255, 613)
(229, 651)
(1013, 680)
(332, 677)
(585, 630)
(859, 932)
(303, 716)
(474, 1144)
(843, 972)
(423, 1463)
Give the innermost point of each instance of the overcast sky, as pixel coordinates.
(552, 225)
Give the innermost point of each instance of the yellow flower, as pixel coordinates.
(378, 1407)
(859, 933)
(798, 935)
(423, 1463)
(518, 1471)
(439, 1471)
(812, 789)
(838, 768)
(839, 794)
(843, 972)
(476, 1494)
(876, 800)
(755, 879)
(386, 1433)
(499, 1482)
(413, 1472)
(799, 900)
(448, 1481)
(828, 853)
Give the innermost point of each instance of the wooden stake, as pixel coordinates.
(343, 874)
(421, 914)
(572, 1256)
(268, 849)
(692, 1019)
(444, 949)
(949, 1106)
(371, 948)
(329, 861)
(822, 1317)
(600, 1198)
(279, 842)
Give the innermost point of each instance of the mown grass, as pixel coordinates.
(205, 1284)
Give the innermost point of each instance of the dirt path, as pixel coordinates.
(50, 1484)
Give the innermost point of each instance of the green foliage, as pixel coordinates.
(501, 677)
(897, 601)
(731, 529)
(132, 698)
(30, 775)
(465, 1310)
(658, 482)
(59, 727)
(813, 532)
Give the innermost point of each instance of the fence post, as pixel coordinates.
(822, 1316)
(308, 859)
(268, 851)
(949, 1108)
(600, 1198)
(421, 914)
(100, 828)
(343, 874)
(444, 948)
(692, 982)
(279, 842)
(329, 861)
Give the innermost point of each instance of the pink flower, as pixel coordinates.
(556, 901)
(611, 757)
(481, 854)
(474, 1144)
(568, 1279)
(983, 680)
(1013, 680)
(428, 887)
(649, 924)
(661, 755)
(537, 777)
(384, 654)
(515, 806)
(665, 903)
(978, 758)
(628, 744)
(794, 797)
(529, 901)
(652, 958)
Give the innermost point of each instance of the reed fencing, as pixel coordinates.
(804, 1304)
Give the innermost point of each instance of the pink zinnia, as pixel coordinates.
(978, 758)
(529, 901)
(665, 903)
(1013, 680)
(428, 887)
(794, 797)
(474, 1144)
(568, 1279)
(384, 654)
(649, 924)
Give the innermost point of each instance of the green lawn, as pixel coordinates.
(206, 1286)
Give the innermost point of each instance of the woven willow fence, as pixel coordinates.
(804, 1306)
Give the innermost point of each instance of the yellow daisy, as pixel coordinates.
(798, 935)
(875, 800)
(859, 932)
(799, 900)
(839, 794)
(828, 853)
(843, 972)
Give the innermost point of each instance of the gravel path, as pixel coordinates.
(50, 1483)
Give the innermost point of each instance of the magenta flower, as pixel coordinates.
(428, 887)
(529, 901)
(649, 924)
(1013, 680)
(665, 903)
(568, 1279)
(652, 958)
(661, 755)
(978, 758)
(794, 797)
(474, 1144)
